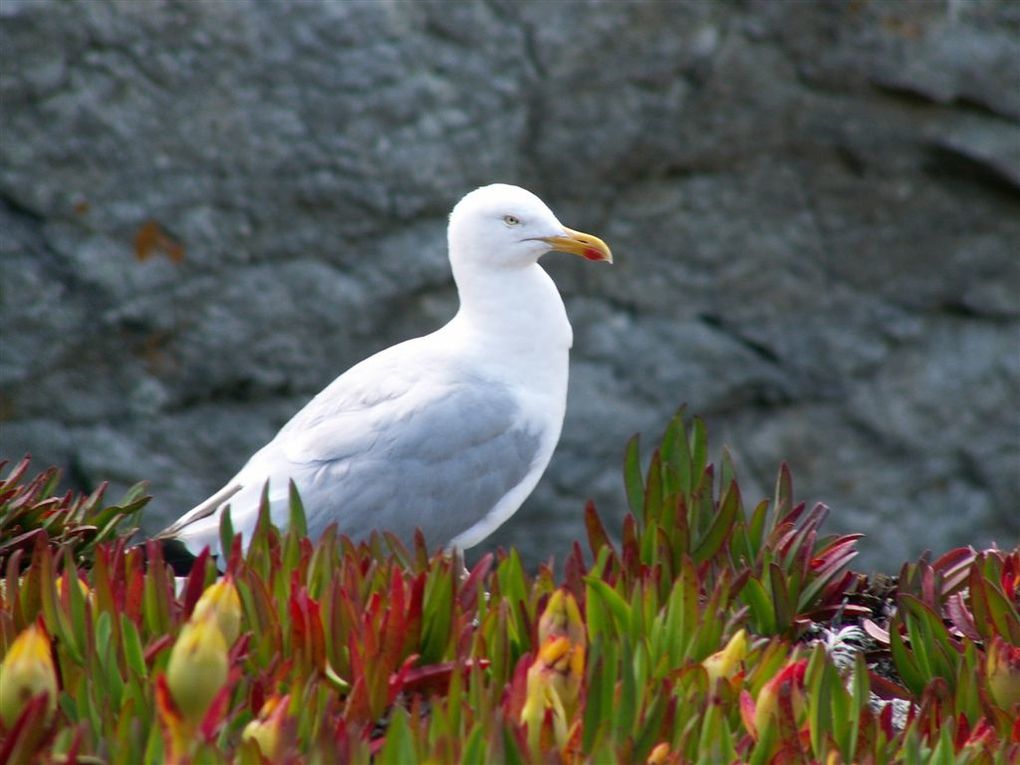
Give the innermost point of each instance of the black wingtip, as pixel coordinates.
(176, 553)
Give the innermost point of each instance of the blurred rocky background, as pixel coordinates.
(208, 209)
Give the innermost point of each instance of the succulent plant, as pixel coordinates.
(700, 632)
(32, 508)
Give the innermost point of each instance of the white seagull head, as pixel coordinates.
(509, 227)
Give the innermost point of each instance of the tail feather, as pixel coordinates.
(201, 511)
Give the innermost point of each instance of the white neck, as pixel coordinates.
(518, 309)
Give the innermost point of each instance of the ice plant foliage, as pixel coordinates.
(31, 508)
(699, 631)
(781, 700)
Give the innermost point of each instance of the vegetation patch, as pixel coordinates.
(702, 632)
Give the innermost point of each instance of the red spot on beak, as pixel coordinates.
(593, 254)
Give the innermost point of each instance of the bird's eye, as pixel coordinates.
(511, 220)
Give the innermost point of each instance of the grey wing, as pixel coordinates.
(440, 462)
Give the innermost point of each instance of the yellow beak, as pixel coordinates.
(579, 243)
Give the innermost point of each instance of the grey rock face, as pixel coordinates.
(815, 210)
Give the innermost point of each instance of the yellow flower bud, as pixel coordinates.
(725, 663)
(266, 729)
(555, 676)
(659, 755)
(198, 668)
(562, 643)
(561, 617)
(222, 602)
(1002, 668)
(27, 670)
(542, 696)
(561, 663)
(554, 683)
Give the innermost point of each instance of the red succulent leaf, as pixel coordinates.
(983, 734)
(396, 682)
(516, 691)
(357, 709)
(875, 632)
(961, 617)
(12, 587)
(520, 737)
(824, 613)
(306, 626)
(22, 541)
(256, 695)
(529, 626)
(930, 596)
(236, 557)
(108, 596)
(435, 678)
(885, 719)
(397, 548)
(157, 645)
(370, 625)
(630, 550)
(341, 739)
(747, 709)
(887, 689)
(239, 650)
(789, 520)
(783, 537)
(962, 732)
(597, 536)
(16, 473)
(954, 567)
(469, 589)
(393, 628)
(217, 711)
(165, 705)
(29, 733)
(358, 702)
(574, 570)
(1010, 579)
(835, 591)
(839, 549)
(131, 589)
(932, 708)
(71, 756)
(412, 619)
(803, 539)
(994, 613)
(195, 582)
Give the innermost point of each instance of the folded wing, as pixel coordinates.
(386, 446)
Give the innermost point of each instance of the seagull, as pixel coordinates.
(447, 433)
